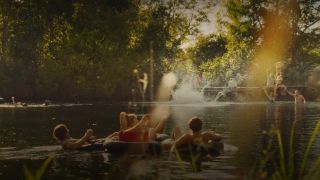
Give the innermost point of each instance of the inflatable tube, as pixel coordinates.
(120, 147)
(93, 147)
(189, 151)
(162, 137)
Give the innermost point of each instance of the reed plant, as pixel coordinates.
(39, 172)
(192, 158)
(282, 162)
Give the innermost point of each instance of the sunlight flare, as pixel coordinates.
(274, 47)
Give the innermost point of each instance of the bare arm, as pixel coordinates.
(266, 93)
(184, 139)
(113, 135)
(159, 126)
(78, 143)
(211, 136)
(123, 121)
(154, 131)
(139, 126)
(290, 93)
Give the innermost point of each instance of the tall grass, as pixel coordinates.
(39, 172)
(316, 165)
(192, 158)
(285, 168)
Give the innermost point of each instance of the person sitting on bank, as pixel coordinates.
(196, 136)
(298, 97)
(62, 135)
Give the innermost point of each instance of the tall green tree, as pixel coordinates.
(63, 49)
(208, 48)
(251, 25)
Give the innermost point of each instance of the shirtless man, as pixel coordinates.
(62, 135)
(196, 136)
(298, 97)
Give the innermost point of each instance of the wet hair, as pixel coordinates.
(195, 124)
(60, 132)
(130, 119)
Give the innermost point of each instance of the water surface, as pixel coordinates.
(26, 139)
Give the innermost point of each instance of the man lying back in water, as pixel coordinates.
(62, 135)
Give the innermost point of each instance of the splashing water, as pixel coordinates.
(167, 84)
(186, 93)
(232, 84)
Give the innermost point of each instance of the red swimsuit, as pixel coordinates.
(132, 136)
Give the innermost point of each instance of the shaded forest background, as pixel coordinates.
(72, 50)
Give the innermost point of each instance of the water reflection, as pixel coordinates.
(241, 124)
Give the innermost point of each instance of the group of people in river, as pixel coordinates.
(134, 130)
(279, 90)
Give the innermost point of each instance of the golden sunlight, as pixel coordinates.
(271, 53)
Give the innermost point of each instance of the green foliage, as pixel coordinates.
(282, 162)
(71, 50)
(79, 49)
(223, 56)
(228, 65)
(208, 48)
(244, 23)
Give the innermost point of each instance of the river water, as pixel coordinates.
(26, 139)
